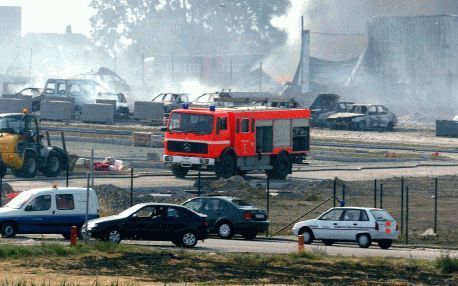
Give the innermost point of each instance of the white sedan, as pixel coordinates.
(362, 225)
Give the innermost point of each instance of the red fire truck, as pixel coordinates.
(234, 141)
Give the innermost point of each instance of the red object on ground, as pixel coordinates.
(73, 235)
(100, 166)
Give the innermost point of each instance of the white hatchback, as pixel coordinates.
(362, 225)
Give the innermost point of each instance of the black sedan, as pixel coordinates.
(228, 216)
(151, 221)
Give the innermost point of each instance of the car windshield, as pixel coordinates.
(128, 212)
(187, 122)
(11, 125)
(240, 203)
(382, 215)
(18, 201)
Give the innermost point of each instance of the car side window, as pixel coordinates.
(65, 202)
(363, 216)
(41, 203)
(212, 206)
(372, 110)
(146, 212)
(332, 215)
(381, 110)
(195, 205)
(174, 213)
(351, 215)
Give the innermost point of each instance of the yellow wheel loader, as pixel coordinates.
(22, 151)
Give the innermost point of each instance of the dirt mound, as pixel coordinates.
(6, 189)
(235, 186)
(112, 199)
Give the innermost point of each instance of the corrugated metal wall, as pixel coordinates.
(415, 57)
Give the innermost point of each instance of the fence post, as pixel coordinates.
(334, 191)
(407, 215)
(198, 184)
(267, 202)
(343, 192)
(402, 204)
(435, 205)
(381, 196)
(131, 186)
(66, 175)
(375, 193)
(86, 218)
(1, 192)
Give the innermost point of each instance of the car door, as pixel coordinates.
(384, 117)
(213, 212)
(245, 143)
(372, 117)
(38, 215)
(350, 224)
(64, 215)
(144, 224)
(325, 227)
(178, 219)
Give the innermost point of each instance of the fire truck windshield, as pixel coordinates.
(190, 122)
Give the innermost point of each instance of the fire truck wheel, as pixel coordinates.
(225, 168)
(179, 171)
(281, 167)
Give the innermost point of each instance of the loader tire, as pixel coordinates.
(53, 165)
(29, 167)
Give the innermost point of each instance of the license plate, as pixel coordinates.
(260, 216)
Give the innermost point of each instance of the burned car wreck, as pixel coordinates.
(364, 117)
(324, 106)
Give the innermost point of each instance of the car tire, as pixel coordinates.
(225, 230)
(364, 240)
(113, 236)
(308, 235)
(188, 240)
(53, 165)
(179, 171)
(225, 167)
(281, 167)
(328, 242)
(249, 234)
(8, 230)
(390, 126)
(29, 167)
(385, 243)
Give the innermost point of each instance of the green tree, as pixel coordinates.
(188, 26)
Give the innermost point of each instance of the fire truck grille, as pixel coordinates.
(187, 147)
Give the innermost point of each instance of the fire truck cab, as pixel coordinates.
(233, 141)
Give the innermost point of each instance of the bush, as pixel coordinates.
(447, 264)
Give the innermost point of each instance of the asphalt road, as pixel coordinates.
(275, 246)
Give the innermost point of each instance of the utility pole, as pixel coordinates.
(260, 77)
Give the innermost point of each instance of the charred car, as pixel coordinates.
(363, 117)
(171, 100)
(324, 106)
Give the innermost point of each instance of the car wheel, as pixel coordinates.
(364, 240)
(225, 167)
(328, 242)
(390, 126)
(249, 234)
(188, 239)
(113, 236)
(179, 171)
(308, 235)
(8, 230)
(385, 243)
(53, 165)
(225, 230)
(29, 166)
(281, 167)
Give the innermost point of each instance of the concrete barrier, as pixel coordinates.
(56, 110)
(149, 111)
(448, 128)
(59, 98)
(98, 112)
(13, 105)
(107, 101)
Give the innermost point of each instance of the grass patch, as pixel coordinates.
(447, 264)
(145, 263)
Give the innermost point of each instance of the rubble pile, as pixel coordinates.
(234, 186)
(112, 199)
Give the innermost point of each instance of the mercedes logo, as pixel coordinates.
(187, 147)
